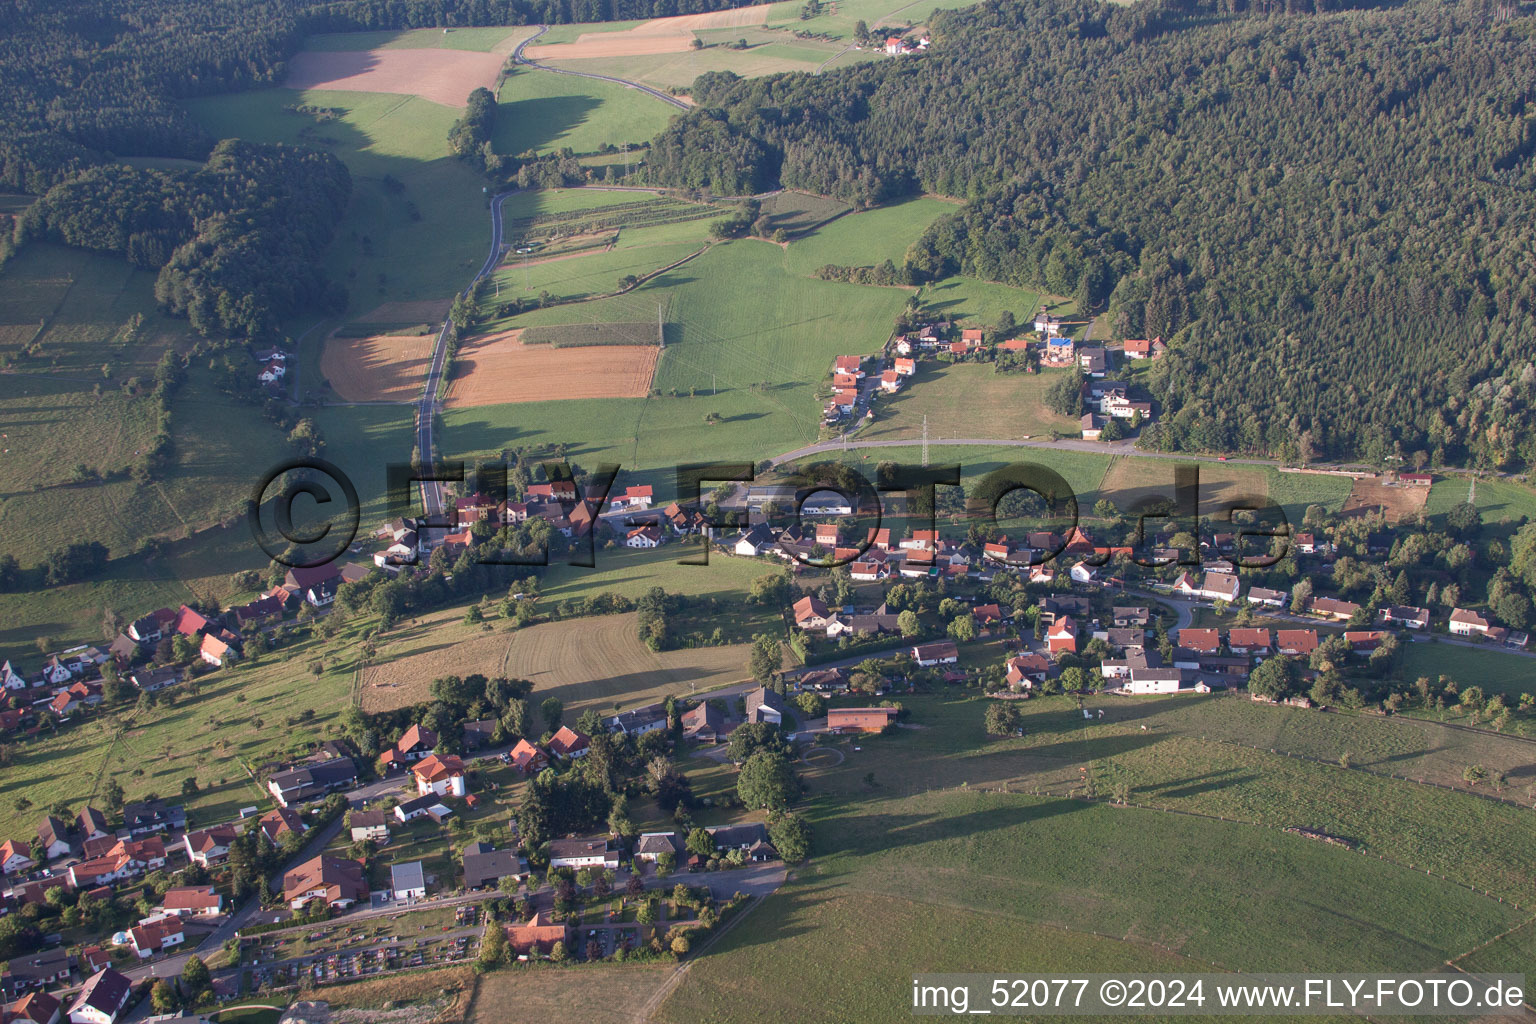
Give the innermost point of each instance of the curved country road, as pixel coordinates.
(518, 58)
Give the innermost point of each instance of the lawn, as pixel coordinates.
(417, 226)
(1223, 485)
(966, 399)
(838, 19)
(546, 112)
(600, 994)
(1498, 500)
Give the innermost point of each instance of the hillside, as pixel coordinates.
(1270, 193)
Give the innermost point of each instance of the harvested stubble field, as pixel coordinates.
(377, 368)
(659, 35)
(595, 660)
(442, 76)
(499, 369)
(1394, 500)
(606, 994)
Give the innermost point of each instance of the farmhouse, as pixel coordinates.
(1216, 586)
(14, 857)
(942, 653)
(637, 722)
(755, 541)
(811, 613)
(53, 836)
(1155, 680)
(846, 720)
(643, 537)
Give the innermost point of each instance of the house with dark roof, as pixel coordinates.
(307, 781)
(764, 705)
(582, 853)
(35, 970)
(705, 723)
(35, 1008)
(339, 882)
(145, 816)
(54, 836)
(282, 821)
(489, 867)
(102, 999)
(93, 824)
(651, 845)
(751, 839)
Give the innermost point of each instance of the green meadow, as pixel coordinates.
(545, 112)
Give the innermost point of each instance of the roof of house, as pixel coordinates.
(52, 830)
(1303, 641)
(1470, 618)
(1248, 637)
(525, 753)
(204, 840)
(410, 875)
(343, 879)
(704, 715)
(490, 865)
(656, 843)
(191, 897)
(436, 767)
(152, 934)
(1203, 640)
(578, 848)
(275, 823)
(941, 649)
(38, 1007)
(809, 607)
(104, 992)
(569, 741)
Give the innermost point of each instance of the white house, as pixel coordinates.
(755, 541)
(1466, 623)
(408, 881)
(942, 653)
(582, 853)
(1083, 573)
(439, 775)
(156, 935)
(643, 537)
(1155, 680)
(101, 999)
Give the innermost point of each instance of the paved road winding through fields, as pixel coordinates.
(518, 58)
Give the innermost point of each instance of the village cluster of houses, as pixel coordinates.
(101, 1000)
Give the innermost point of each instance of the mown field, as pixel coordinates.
(544, 112)
(838, 19)
(1495, 669)
(768, 53)
(865, 238)
(1498, 500)
(604, 994)
(484, 39)
(975, 302)
(1223, 484)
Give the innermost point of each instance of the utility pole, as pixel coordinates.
(661, 328)
(925, 440)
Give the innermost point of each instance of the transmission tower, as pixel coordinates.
(925, 440)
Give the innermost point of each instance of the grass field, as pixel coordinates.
(957, 397)
(797, 213)
(634, 253)
(417, 226)
(922, 863)
(976, 302)
(240, 718)
(838, 19)
(543, 112)
(1498, 500)
(865, 238)
(773, 54)
(604, 994)
(1495, 670)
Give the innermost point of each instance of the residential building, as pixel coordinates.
(582, 853)
(15, 857)
(439, 775)
(368, 826)
(755, 541)
(484, 867)
(192, 901)
(1295, 641)
(277, 823)
(944, 652)
(764, 705)
(339, 882)
(751, 839)
(847, 720)
(428, 806)
(537, 936)
(705, 723)
(652, 845)
(35, 1008)
(1269, 598)
(527, 758)
(141, 817)
(1155, 680)
(1469, 623)
(638, 721)
(36, 970)
(1202, 641)
(568, 744)
(1026, 671)
(210, 845)
(1333, 608)
(1242, 640)
(53, 835)
(811, 613)
(156, 936)
(93, 824)
(1062, 636)
(102, 999)
(307, 781)
(1404, 615)
(408, 881)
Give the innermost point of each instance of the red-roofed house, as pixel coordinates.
(188, 622)
(442, 775)
(157, 936)
(906, 367)
(192, 901)
(15, 856)
(568, 743)
(528, 758)
(1296, 641)
(1025, 671)
(1205, 641)
(537, 936)
(35, 1008)
(1248, 641)
(1062, 636)
(210, 845)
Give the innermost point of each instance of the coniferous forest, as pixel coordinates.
(1329, 213)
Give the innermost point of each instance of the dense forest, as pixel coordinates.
(89, 82)
(1329, 214)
